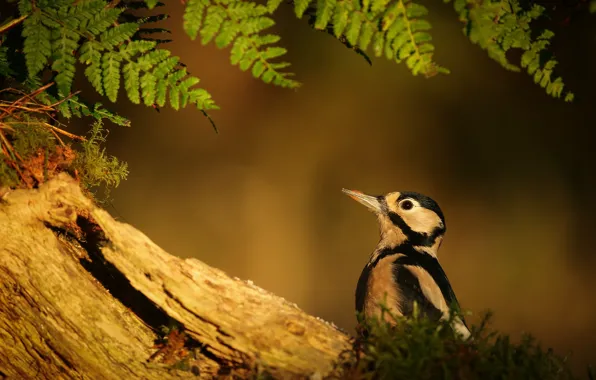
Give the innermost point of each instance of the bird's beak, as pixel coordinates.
(369, 201)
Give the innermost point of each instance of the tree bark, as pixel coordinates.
(84, 296)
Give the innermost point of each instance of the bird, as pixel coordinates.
(404, 267)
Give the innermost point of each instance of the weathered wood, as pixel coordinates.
(81, 296)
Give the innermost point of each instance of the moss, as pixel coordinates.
(421, 349)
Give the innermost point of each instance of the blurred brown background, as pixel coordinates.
(512, 169)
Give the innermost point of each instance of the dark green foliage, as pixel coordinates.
(55, 33)
(499, 26)
(395, 29)
(421, 349)
(241, 24)
(45, 42)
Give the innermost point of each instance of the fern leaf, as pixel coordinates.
(202, 99)
(148, 83)
(134, 47)
(147, 61)
(65, 43)
(353, 30)
(37, 46)
(151, 3)
(174, 97)
(94, 74)
(340, 18)
(300, 6)
(5, 69)
(160, 92)
(542, 73)
(101, 21)
(229, 31)
(131, 75)
(325, 10)
(498, 27)
(111, 74)
(240, 23)
(213, 22)
(166, 66)
(193, 17)
(119, 33)
(272, 5)
(25, 7)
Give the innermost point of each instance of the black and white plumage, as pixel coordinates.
(404, 267)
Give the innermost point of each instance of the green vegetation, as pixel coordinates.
(43, 44)
(420, 349)
(115, 44)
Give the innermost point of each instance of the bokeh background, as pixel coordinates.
(512, 168)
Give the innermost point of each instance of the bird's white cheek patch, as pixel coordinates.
(422, 220)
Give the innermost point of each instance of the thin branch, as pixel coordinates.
(12, 23)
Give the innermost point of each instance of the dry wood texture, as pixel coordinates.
(83, 296)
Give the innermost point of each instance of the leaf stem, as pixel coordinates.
(12, 23)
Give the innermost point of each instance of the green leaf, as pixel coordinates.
(353, 31)
(300, 6)
(325, 10)
(193, 16)
(131, 74)
(148, 84)
(37, 46)
(65, 43)
(213, 21)
(119, 33)
(111, 74)
(272, 5)
(101, 21)
(151, 3)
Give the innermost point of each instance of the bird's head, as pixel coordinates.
(406, 218)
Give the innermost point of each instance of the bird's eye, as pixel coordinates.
(406, 205)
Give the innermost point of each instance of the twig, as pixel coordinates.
(52, 127)
(12, 23)
(29, 96)
(57, 137)
(9, 147)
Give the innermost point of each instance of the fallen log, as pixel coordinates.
(85, 296)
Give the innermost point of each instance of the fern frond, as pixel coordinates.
(394, 28)
(300, 7)
(118, 34)
(131, 74)
(37, 46)
(272, 5)
(193, 16)
(110, 64)
(90, 54)
(498, 27)
(540, 66)
(64, 43)
(5, 69)
(100, 21)
(241, 25)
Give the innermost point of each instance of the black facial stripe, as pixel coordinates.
(425, 261)
(410, 290)
(416, 238)
(424, 201)
(361, 288)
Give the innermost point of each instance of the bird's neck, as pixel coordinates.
(391, 244)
